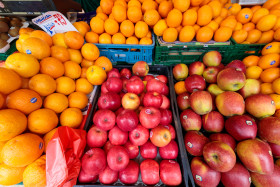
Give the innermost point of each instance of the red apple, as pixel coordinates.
(230, 103)
(130, 101)
(96, 137)
(221, 67)
(183, 101)
(114, 73)
(148, 77)
(256, 156)
(117, 158)
(201, 102)
(196, 68)
(127, 120)
(155, 85)
(125, 73)
(94, 161)
(149, 117)
(87, 178)
(210, 74)
(275, 150)
(230, 79)
(148, 150)
(160, 136)
(122, 94)
(149, 172)
(169, 151)
(130, 174)
(190, 120)
(213, 122)
(108, 176)
(194, 83)
(180, 72)
(214, 89)
(162, 78)
(104, 88)
(165, 103)
(140, 68)
(269, 129)
(104, 119)
(219, 156)
(203, 175)
(166, 117)
(266, 180)
(165, 90)
(152, 99)
(241, 127)
(237, 176)
(251, 87)
(114, 84)
(124, 83)
(222, 137)
(172, 131)
(194, 142)
(117, 136)
(139, 135)
(107, 146)
(260, 105)
(119, 111)
(135, 85)
(212, 58)
(133, 150)
(237, 64)
(170, 173)
(110, 101)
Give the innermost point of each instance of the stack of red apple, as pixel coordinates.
(133, 116)
(230, 133)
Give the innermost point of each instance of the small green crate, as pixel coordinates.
(11, 50)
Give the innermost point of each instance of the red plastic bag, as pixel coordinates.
(63, 156)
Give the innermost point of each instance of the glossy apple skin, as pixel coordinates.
(125, 73)
(140, 68)
(107, 146)
(194, 142)
(108, 176)
(124, 81)
(172, 131)
(190, 120)
(165, 103)
(104, 119)
(87, 178)
(130, 174)
(170, 173)
(96, 137)
(114, 73)
(269, 129)
(230, 103)
(223, 137)
(152, 99)
(237, 64)
(219, 156)
(104, 88)
(135, 85)
(214, 89)
(160, 136)
(201, 102)
(267, 180)
(275, 150)
(148, 150)
(165, 90)
(230, 79)
(183, 101)
(155, 85)
(260, 105)
(212, 58)
(202, 174)
(127, 120)
(130, 101)
(110, 101)
(170, 151)
(166, 117)
(213, 122)
(133, 150)
(237, 176)
(251, 87)
(241, 127)
(180, 72)
(139, 135)
(210, 74)
(195, 83)
(196, 68)
(117, 158)
(162, 78)
(256, 156)
(117, 112)
(114, 84)
(149, 117)
(94, 161)
(148, 77)
(117, 136)
(149, 172)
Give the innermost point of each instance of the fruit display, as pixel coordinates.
(231, 127)
(132, 138)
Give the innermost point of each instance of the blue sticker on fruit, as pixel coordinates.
(246, 16)
(230, 7)
(268, 47)
(33, 100)
(28, 52)
(273, 62)
(41, 145)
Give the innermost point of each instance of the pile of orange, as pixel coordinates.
(266, 69)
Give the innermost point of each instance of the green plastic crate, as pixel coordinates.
(11, 50)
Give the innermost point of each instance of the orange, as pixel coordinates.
(160, 27)
(181, 5)
(56, 102)
(141, 29)
(267, 22)
(255, 8)
(259, 14)
(254, 36)
(111, 16)
(270, 74)
(276, 99)
(276, 35)
(270, 3)
(47, 138)
(105, 38)
(118, 38)
(22, 150)
(189, 17)
(248, 26)
(180, 87)
(149, 4)
(276, 86)
(99, 10)
(72, 69)
(105, 63)
(119, 13)
(240, 36)
(12, 123)
(170, 35)
(244, 15)
(251, 60)
(43, 84)
(102, 15)
(187, 34)
(96, 75)
(9, 81)
(224, 13)
(58, 40)
(273, 47)
(204, 15)
(269, 61)
(27, 30)
(277, 24)
(71, 117)
(179, 28)
(234, 8)
(90, 52)
(86, 25)
(24, 100)
(204, 34)
(65, 85)
(266, 37)
(238, 26)
(36, 47)
(73, 39)
(135, 3)
(229, 22)
(82, 85)
(151, 17)
(106, 6)
(174, 18)
(77, 100)
(146, 41)
(86, 63)
(52, 66)
(91, 37)
(132, 40)
(204, 2)
(60, 53)
(25, 65)
(10, 175)
(134, 14)
(127, 28)
(266, 88)
(81, 27)
(84, 72)
(275, 12)
(216, 8)
(275, 7)
(164, 8)
(35, 173)
(25, 83)
(196, 2)
(19, 46)
(2, 100)
(277, 114)
(223, 34)
(42, 121)
(75, 55)
(97, 25)
(253, 72)
(43, 36)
